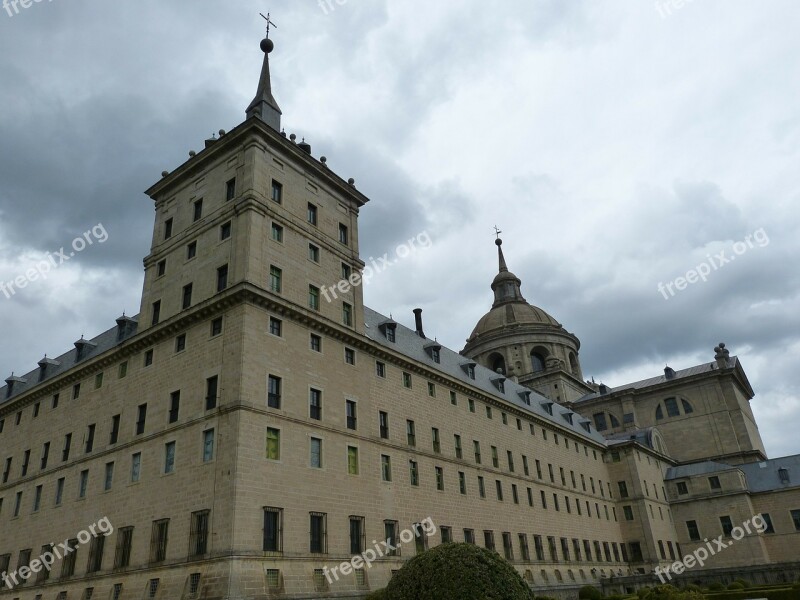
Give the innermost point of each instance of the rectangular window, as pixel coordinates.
(623, 489)
(499, 489)
(714, 483)
(136, 467)
(350, 356)
(45, 455)
(380, 369)
(795, 514)
(148, 358)
(437, 445)
(230, 189)
(37, 498)
(315, 343)
(311, 214)
(315, 459)
(390, 534)
(273, 529)
(186, 301)
(180, 343)
(488, 540)
(59, 491)
(462, 483)
(413, 471)
(168, 228)
(508, 549)
(96, 546)
(156, 312)
(208, 445)
(447, 534)
(274, 392)
(275, 279)
(469, 536)
(98, 383)
(222, 278)
(439, 479)
(628, 512)
(768, 521)
(90, 438)
(198, 535)
(169, 457)
(174, 406)
(481, 487)
(495, 458)
(277, 232)
(453, 399)
(352, 460)
(273, 443)
(347, 314)
(212, 384)
(343, 234)
(313, 297)
(277, 192)
(346, 272)
(318, 533)
(431, 390)
(313, 253)
(457, 444)
(191, 250)
(523, 547)
(407, 380)
(352, 415)
(411, 433)
(383, 424)
(682, 488)
(477, 446)
(158, 540)
(357, 535)
(275, 327)
(198, 210)
(83, 483)
(386, 468)
(109, 479)
(315, 404)
(694, 532)
(122, 554)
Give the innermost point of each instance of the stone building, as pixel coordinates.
(255, 426)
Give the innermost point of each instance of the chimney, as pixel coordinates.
(418, 321)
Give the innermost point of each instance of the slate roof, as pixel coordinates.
(55, 366)
(409, 344)
(645, 383)
(761, 476)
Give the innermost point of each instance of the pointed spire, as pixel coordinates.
(264, 105)
(502, 259)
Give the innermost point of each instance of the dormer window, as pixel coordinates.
(125, 327)
(587, 425)
(568, 417)
(783, 475)
(434, 351)
(44, 367)
(83, 348)
(525, 397)
(547, 407)
(500, 384)
(388, 328)
(469, 369)
(11, 382)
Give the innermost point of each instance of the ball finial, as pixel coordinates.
(498, 242)
(267, 45)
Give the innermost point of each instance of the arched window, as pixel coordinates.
(537, 362)
(498, 364)
(573, 363)
(659, 413)
(687, 408)
(673, 408)
(614, 420)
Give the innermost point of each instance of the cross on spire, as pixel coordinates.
(497, 232)
(269, 22)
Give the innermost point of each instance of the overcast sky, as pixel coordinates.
(616, 144)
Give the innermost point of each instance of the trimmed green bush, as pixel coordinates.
(716, 587)
(670, 592)
(746, 584)
(693, 587)
(770, 594)
(458, 572)
(735, 586)
(589, 592)
(377, 595)
(643, 592)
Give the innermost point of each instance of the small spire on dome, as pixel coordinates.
(499, 243)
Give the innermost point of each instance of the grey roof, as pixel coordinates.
(55, 366)
(408, 343)
(761, 476)
(642, 436)
(645, 383)
(694, 469)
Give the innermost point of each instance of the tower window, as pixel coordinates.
(230, 189)
(537, 362)
(343, 234)
(198, 210)
(277, 192)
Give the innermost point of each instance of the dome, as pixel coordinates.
(512, 315)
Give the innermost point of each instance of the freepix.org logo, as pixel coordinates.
(57, 552)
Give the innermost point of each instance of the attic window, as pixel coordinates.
(469, 369)
(587, 425)
(388, 329)
(568, 417)
(500, 384)
(10, 384)
(783, 475)
(525, 397)
(433, 351)
(83, 348)
(548, 407)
